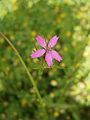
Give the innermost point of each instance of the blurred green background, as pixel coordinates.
(65, 88)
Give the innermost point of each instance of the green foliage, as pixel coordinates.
(65, 87)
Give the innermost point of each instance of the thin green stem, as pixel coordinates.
(25, 67)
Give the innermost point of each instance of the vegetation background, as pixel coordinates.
(65, 88)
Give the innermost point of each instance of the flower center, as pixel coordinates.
(48, 49)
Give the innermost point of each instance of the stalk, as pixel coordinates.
(25, 67)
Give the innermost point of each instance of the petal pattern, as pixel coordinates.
(56, 56)
(41, 41)
(53, 41)
(38, 53)
(48, 58)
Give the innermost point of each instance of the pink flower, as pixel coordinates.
(47, 50)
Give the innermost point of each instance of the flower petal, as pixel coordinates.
(56, 56)
(53, 41)
(41, 41)
(48, 58)
(38, 53)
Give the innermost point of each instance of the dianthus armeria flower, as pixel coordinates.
(47, 50)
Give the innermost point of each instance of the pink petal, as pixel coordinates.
(53, 41)
(41, 41)
(38, 53)
(48, 58)
(56, 56)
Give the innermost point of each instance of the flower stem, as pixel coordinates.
(25, 67)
